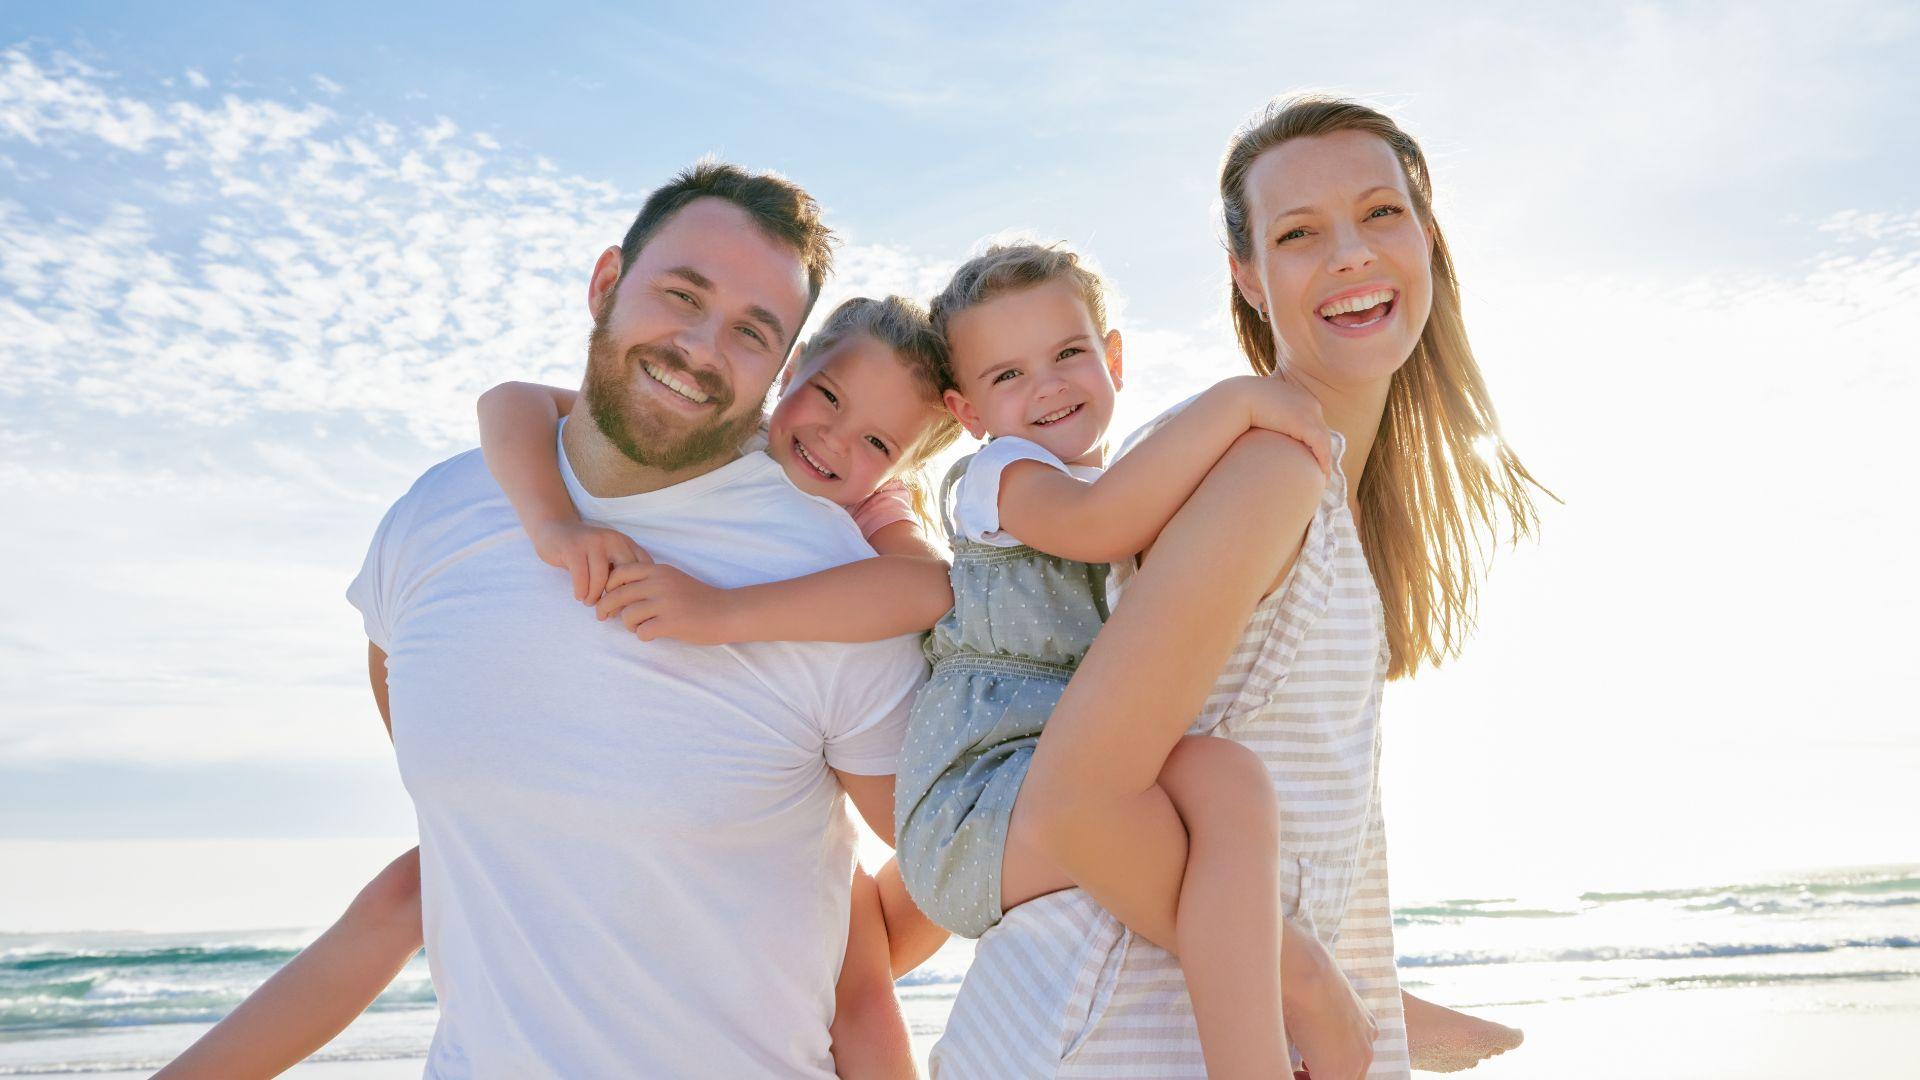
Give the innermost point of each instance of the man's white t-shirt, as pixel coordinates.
(634, 860)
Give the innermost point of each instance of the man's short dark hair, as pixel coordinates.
(778, 205)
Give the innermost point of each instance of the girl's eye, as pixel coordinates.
(1290, 234)
(875, 442)
(1384, 210)
(1005, 375)
(831, 400)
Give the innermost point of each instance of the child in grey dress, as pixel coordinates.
(1034, 522)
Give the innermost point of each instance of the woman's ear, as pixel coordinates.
(1113, 357)
(604, 283)
(1247, 280)
(964, 412)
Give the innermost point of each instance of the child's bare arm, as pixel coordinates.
(1118, 515)
(904, 590)
(320, 991)
(869, 1033)
(516, 436)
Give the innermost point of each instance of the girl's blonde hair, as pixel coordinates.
(1010, 267)
(903, 326)
(1439, 482)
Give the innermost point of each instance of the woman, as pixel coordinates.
(1341, 281)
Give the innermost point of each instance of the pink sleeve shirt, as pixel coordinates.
(891, 503)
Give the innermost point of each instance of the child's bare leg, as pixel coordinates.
(869, 1033)
(1440, 1039)
(319, 992)
(1202, 881)
(1092, 798)
(912, 938)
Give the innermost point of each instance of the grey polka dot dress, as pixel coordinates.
(1020, 623)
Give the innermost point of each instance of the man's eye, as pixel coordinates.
(878, 445)
(754, 334)
(1005, 375)
(831, 400)
(687, 297)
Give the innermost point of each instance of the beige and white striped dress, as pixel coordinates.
(1060, 989)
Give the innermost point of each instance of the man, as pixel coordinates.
(634, 858)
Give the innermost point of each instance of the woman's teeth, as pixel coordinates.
(1053, 417)
(676, 384)
(1356, 312)
(825, 473)
(1356, 303)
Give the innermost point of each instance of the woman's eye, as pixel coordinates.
(1384, 210)
(1290, 234)
(831, 400)
(1005, 375)
(875, 442)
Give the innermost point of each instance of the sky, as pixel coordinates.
(255, 265)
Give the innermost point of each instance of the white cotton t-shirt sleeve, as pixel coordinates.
(867, 713)
(375, 589)
(976, 499)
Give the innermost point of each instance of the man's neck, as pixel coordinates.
(606, 473)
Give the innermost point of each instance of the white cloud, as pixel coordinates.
(331, 265)
(328, 86)
(198, 80)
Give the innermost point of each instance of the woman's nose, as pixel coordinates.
(1351, 252)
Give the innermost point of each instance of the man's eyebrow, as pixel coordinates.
(694, 277)
(771, 320)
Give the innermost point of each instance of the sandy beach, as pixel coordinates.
(1755, 1033)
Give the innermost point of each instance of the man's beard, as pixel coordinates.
(636, 429)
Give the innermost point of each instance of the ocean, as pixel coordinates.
(1842, 940)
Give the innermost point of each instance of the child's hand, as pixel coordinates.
(1325, 1018)
(1282, 405)
(656, 601)
(587, 552)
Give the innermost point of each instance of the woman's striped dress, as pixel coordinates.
(1061, 989)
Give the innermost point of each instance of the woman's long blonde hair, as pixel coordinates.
(1439, 483)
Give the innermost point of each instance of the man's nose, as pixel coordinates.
(698, 340)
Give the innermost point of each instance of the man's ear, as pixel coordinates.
(964, 412)
(1113, 357)
(1247, 280)
(604, 282)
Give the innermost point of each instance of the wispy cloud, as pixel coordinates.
(276, 257)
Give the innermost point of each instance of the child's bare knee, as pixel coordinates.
(1212, 779)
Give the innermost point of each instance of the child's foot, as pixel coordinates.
(1442, 1040)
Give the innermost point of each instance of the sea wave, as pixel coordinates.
(1697, 951)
